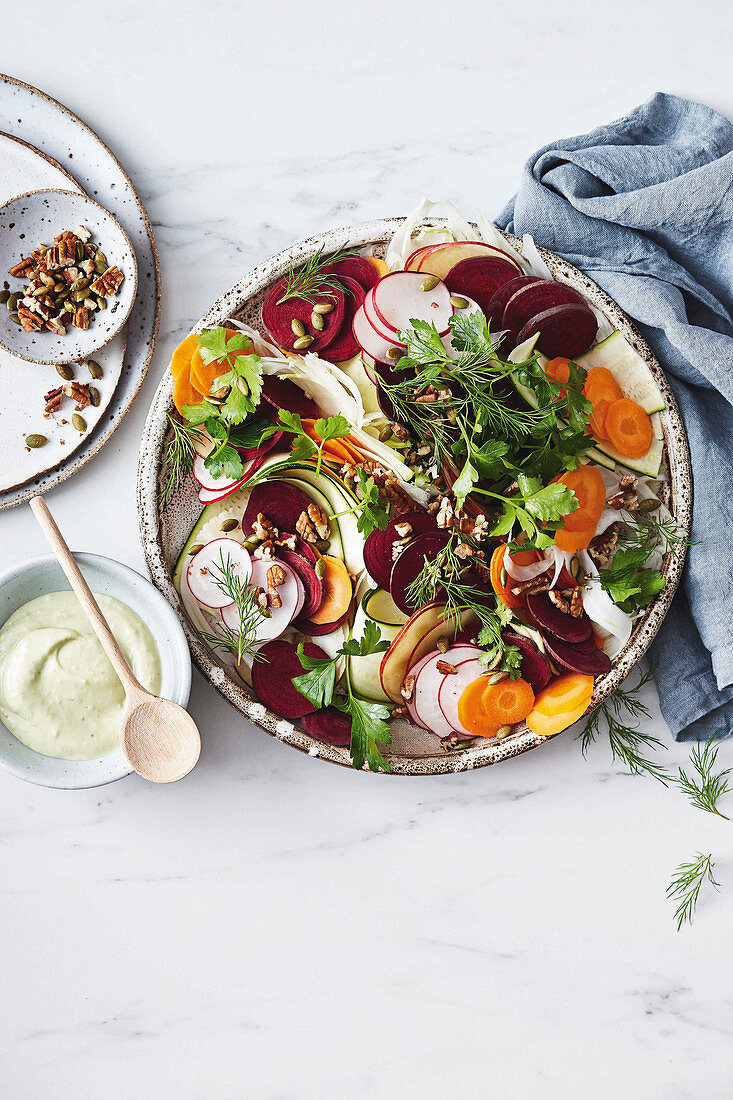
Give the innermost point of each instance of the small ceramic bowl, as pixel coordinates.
(35, 218)
(38, 577)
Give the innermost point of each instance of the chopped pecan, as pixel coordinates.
(81, 318)
(109, 283)
(288, 541)
(261, 598)
(408, 685)
(30, 321)
(399, 712)
(22, 269)
(79, 392)
(625, 496)
(399, 431)
(531, 587)
(480, 527)
(576, 602)
(265, 551)
(444, 517)
(559, 601)
(53, 400)
(464, 551)
(275, 576)
(319, 519)
(64, 247)
(602, 547)
(446, 668)
(305, 528)
(263, 528)
(54, 325)
(403, 529)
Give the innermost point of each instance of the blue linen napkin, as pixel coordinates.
(645, 207)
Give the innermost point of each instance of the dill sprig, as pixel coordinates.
(704, 786)
(648, 531)
(628, 744)
(686, 885)
(243, 640)
(311, 281)
(178, 457)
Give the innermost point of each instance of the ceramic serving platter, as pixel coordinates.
(42, 145)
(413, 751)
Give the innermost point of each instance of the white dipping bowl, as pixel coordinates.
(38, 577)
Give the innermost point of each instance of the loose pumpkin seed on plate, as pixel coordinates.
(4, 295)
(94, 396)
(35, 441)
(15, 318)
(79, 422)
(66, 371)
(230, 524)
(94, 368)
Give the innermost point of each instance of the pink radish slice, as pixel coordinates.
(291, 592)
(398, 299)
(428, 683)
(472, 307)
(207, 481)
(207, 497)
(452, 689)
(204, 570)
(410, 703)
(367, 337)
(376, 322)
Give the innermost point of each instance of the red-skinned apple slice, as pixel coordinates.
(205, 569)
(443, 257)
(417, 637)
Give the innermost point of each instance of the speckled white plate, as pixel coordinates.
(37, 217)
(58, 138)
(413, 751)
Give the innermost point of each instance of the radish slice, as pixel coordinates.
(412, 712)
(291, 592)
(207, 481)
(368, 339)
(207, 497)
(376, 322)
(428, 682)
(205, 569)
(472, 307)
(398, 299)
(452, 689)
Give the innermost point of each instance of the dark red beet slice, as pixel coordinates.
(358, 269)
(281, 393)
(535, 298)
(329, 725)
(306, 626)
(480, 278)
(311, 583)
(555, 621)
(535, 669)
(272, 678)
(305, 550)
(495, 310)
(248, 453)
(377, 558)
(410, 563)
(564, 330)
(277, 317)
(345, 345)
(591, 661)
(280, 502)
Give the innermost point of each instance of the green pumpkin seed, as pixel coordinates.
(61, 285)
(12, 302)
(297, 326)
(101, 302)
(39, 292)
(69, 308)
(47, 280)
(503, 577)
(251, 543)
(81, 283)
(265, 613)
(457, 302)
(574, 567)
(443, 643)
(35, 441)
(79, 251)
(94, 396)
(100, 268)
(242, 386)
(429, 283)
(317, 321)
(320, 568)
(66, 371)
(195, 549)
(4, 295)
(394, 353)
(79, 422)
(323, 545)
(15, 318)
(302, 343)
(44, 249)
(94, 368)
(651, 504)
(102, 259)
(496, 677)
(323, 307)
(230, 524)
(502, 732)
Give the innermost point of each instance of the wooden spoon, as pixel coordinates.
(160, 739)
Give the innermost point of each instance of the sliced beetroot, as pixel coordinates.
(422, 523)
(345, 345)
(480, 278)
(499, 299)
(315, 630)
(305, 549)
(554, 621)
(248, 453)
(355, 268)
(564, 330)
(281, 503)
(281, 393)
(535, 669)
(272, 677)
(377, 558)
(329, 725)
(278, 317)
(593, 661)
(529, 300)
(311, 583)
(410, 563)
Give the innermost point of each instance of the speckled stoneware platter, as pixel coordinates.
(48, 146)
(413, 751)
(37, 217)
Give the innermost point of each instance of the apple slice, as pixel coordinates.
(399, 298)
(414, 261)
(445, 256)
(205, 570)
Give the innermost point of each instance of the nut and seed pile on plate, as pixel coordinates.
(66, 283)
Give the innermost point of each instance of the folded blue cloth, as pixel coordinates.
(645, 207)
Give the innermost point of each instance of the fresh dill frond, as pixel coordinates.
(311, 281)
(686, 885)
(704, 786)
(628, 744)
(244, 639)
(648, 531)
(178, 457)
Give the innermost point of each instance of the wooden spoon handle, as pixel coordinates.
(84, 594)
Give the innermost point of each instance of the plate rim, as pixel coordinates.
(150, 527)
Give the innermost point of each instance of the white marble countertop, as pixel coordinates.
(273, 926)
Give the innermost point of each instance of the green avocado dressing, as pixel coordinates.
(59, 694)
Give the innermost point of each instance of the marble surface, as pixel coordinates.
(276, 927)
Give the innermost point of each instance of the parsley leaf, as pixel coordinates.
(471, 333)
(370, 642)
(371, 513)
(627, 582)
(318, 683)
(465, 482)
(198, 414)
(224, 462)
(332, 427)
(368, 728)
(549, 502)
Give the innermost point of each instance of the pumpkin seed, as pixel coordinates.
(195, 549)
(323, 545)
(650, 504)
(100, 268)
(101, 302)
(317, 321)
(4, 295)
(458, 302)
(574, 567)
(496, 677)
(443, 643)
(12, 301)
(68, 307)
(35, 441)
(297, 326)
(65, 370)
(323, 307)
(430, 283)
(79, 252)
(320, 568)
(39, 292)
(394, 353)
(44, 249)
(81, 283)
(503, 577)
(94, 396)
(241, 386)
(230, 524)
(251, 543)
(265, 613)
(102, 259)
(61, 285)
(15, 318)
(79, 422)
(502, 732)
(302, 343)
(47, 280)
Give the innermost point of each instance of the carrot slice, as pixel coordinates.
(601, 380)
(587, 484)
(184, 392)
(559, 369)
(575, 540)
(484, 708)
(379, 265)
(337, 591)
(501, 582)
(203, 374)
(629, 428)
(561, 703)
(181, 358)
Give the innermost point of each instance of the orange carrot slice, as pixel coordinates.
(561, 703)
(588, 486)
(337, 591)
(629, 428)
(181, 358)
(575, 540)
(501, 582)
(379, 265)
(484, 708)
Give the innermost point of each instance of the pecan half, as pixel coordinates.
(531, 587)
(625, 496)
(446, 668)
(559, 601)
(576, 603)
(319, 519)
(22, 268)
(305, 528)
(109, 283)
(81, 318)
